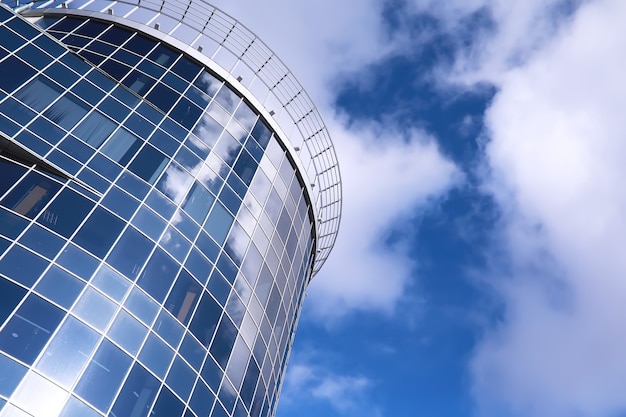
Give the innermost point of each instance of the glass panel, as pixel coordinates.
(65, 212)
(103, 376)
(156, 355)
(78, 261)
(50, 397)
(29, 329)
(219, 223)
(149, 223)
(130, 253)
(94, 308)
(167, 405)
(198, 203)
(121, 146)
(137, 394)
(158, 275)
(120, 203)
(183, 297)
(168, 328)
(39, 93)
(111, 283)
(181, 378)
(141, 305)
(12, 373)
(22, 265)
(77, 408)
(59, 286)
(128, 332)
(205, 319)
(68, 352)
(67, 111)
(31, 195)
(95, 129)
(149, 164)
(99, 232)
(10, 296)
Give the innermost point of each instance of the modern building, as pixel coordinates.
(167, 191)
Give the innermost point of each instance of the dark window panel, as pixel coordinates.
(181, 378)
(130, 253)
(99, 232)
(65, 212)
(205, 319)
(19, 69)
(158, 275)
(183, 297)
(103, 376)
(29, 329)
(137, 394)
(167, 405)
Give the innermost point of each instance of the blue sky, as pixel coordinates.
(479, 270)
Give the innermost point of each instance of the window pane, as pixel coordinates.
(65, 213)
(31, 195)
(68, 352)
(59, 286)
(30, 328)
(137, 394)
(103, 375)
(99, 232)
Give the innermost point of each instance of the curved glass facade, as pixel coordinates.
(156, 234)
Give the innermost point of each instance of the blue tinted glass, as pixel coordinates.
(192, 351)
(103, 375)
(19, 70)
(78, 261)
(223, 342)
(64, 162)
(219, 222)
(202, 400)
(10, 296)
(10, 224)
(68, 352)
(163, 97)
(139, 82)
(212, 373)
(16, 111)
(168, 328)
(99, 232)
(164, 142)
(31, 195)
(11, 172)
(104, 167)
(88, 92)
(160, 204)
(156, 355)
(42, 241)
(141, 306)
(29, 329)
(93, 180)
(227, 395)
(186, 113)
(94, 308)
(148, 222)
(67, 111)
(111, 283)
(181, 377)
(205, 319)
(130, 253)
(77, 408)
(175, 82)
(121, 147)
(167, 405)
(114, 108)
(186, 69)
(187, 226)
(198, 265)
(95, 129)
(158, 275)
(183, 297)
(137, 394)
(120, 203)
(198, 203)
(261, 133)
(65, 212)
(149, 164)
(219, 287)
(12, 373)
(33, 143)
(175, 243)
(59, 286)
(133, 185)
(249, 383)
(127, 332)
(47, 130)
(39, 93)
(22, 265)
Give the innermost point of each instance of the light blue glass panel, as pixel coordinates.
(68, 352)
(111, 283)
(12, 373)
(219, 223)
(94, 308)
(156, 355)
(127, 332)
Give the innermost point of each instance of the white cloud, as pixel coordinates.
(386, 178)
(556, 156)
(306, 382)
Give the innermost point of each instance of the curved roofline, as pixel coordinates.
(235, 53)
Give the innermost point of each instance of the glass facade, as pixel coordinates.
(156, 231)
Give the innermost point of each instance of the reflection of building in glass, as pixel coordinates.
(167, 189)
